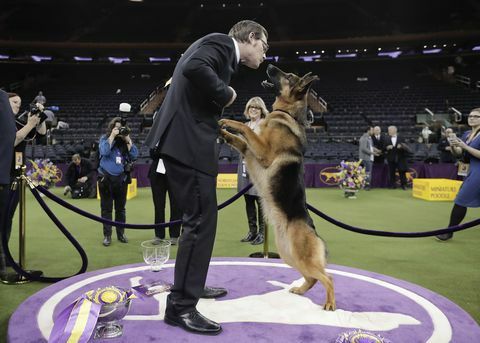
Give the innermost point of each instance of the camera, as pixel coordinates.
(124, 131)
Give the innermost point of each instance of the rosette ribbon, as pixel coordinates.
(76, 323)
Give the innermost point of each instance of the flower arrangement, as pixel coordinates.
(352, 177)
(43, 172)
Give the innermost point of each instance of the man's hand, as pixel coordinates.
(234, 96)
(83, 179)
(33, 120)
(40, 106)
(389, 147)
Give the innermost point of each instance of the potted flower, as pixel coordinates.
(352, 177)
(43, 172)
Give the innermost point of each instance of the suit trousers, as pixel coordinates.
(113, 192)
(251, 209)
(392, 168)
(368, 171)
(196, 195)
(5, 219)
(160, 186)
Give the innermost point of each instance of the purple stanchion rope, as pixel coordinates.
(62, 228)
(84, 213)
(393, 234)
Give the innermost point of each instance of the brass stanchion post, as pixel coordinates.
(266, 253)
(22, 220)
(14, 278)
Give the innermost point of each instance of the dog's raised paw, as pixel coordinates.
(296, 290)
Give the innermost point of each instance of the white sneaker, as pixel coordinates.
(66, 190)
(174, 240)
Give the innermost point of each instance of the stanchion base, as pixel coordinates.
(262, 255)
(13, 278)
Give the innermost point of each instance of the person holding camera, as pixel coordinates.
(117, 152)
(467, 149)
(79, 178)
(25, 131)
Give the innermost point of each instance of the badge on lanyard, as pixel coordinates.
(118, 160)
(18, 159)
(244, 169)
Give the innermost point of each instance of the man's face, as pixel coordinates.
(392, 131)
(376, 131)
(15, 103)
(448, 132)
(76, 161)
(254, 51)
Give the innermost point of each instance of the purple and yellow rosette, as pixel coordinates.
(75, 324)
(359, 336)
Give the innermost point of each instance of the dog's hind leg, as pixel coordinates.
(327, 282)
(307, 284)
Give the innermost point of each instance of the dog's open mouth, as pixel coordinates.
(267, 85)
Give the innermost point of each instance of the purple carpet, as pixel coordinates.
(259, 308)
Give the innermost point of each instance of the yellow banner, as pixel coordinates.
(227, 181)
(436, 189)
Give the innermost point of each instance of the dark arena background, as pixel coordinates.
(411, 64)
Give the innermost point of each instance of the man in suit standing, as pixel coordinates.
(184, 133)
(397, 151)
(378, 141)
(366, 154)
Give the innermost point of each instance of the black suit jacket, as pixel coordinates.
(380, 145)
(86, 169)
(397, 155)
(185, 127)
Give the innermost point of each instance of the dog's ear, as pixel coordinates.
(304, 83)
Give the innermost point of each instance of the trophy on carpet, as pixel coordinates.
(115, 305)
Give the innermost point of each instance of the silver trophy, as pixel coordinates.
(108, 323)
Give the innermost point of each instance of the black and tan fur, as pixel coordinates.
(274, 160)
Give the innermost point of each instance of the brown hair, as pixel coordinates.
(474, 133)
(112, 124)
(242, 29)
(256, 102)
(12, 95)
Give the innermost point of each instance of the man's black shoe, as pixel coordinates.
(123, 238)
(107, 240)
(193, 322)
(249, 237)
(213, 292)
(444, 236)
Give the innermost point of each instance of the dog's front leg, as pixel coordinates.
(235, 141)
(256, 146)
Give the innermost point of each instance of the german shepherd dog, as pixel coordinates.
(274, 160)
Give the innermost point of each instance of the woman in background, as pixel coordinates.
(255, 111)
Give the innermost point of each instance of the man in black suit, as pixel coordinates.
(79, 177)
(396, 153)
(378, 141)
(184, 132)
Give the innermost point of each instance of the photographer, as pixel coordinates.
(117, 152)
(79, 178)
(25, 130)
